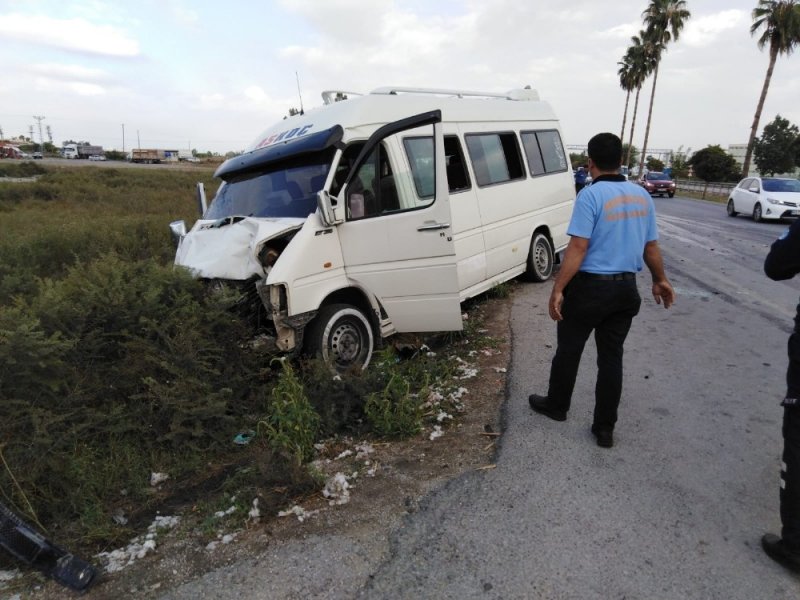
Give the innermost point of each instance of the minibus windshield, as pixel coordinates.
(286, 189)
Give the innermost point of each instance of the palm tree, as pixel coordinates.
(664, 20)
(781, 24)
(626, 82)
(640, 66)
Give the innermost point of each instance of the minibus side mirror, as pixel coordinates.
(327, 210)
(202, 205)
(178, 231)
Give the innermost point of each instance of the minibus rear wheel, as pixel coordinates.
(342, 335)
(540, 258)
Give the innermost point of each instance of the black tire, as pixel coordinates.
(671, 194)
(541, 258)
(342, 335)
(757, 213)
(731, 208)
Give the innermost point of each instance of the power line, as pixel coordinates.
(41, 138)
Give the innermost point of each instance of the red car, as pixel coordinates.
(658, 184)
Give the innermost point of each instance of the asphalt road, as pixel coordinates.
(674, 511)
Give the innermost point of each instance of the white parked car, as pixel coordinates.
(97, 157)
(765, 198)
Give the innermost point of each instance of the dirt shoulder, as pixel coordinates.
(326, 549)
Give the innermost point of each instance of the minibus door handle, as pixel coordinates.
(433, 226)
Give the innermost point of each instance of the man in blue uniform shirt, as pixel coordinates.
(783, 262)
(613, 235)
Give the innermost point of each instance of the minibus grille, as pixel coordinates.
(245, 303)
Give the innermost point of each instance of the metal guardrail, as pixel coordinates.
(711, 189)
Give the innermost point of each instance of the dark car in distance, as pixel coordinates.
(658, 184)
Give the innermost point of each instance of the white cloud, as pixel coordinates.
(622, 31)
(78, 88)
(705, 31)
(184, 15)
(69, 72)
(68, 34)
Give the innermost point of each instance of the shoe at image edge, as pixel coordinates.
(776, 549)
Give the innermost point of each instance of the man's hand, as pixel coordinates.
(662, 290)
(570, 263)
(556, 300)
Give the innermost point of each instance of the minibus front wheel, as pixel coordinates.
(541, 258)
(342, 335)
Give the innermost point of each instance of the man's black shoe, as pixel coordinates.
(605, 437)
(776, 549)
(541, 405)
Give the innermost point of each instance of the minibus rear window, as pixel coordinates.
(545, 151)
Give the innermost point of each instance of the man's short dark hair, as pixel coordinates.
(605, 150)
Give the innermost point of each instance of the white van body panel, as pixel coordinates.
(201, 251)
(408, 267)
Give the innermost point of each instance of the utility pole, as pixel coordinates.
(123, 138)
(138, 141)
(41, 138)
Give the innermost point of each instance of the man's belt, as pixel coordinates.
(606, 276)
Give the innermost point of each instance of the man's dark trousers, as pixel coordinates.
(607, 308)
(790, 484)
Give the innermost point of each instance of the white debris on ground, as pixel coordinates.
(426, 349)
(499, 369)
(442, 416)
(156, 478)
(337, 490)
(363, 450)
(6, 576)
(344, 454)
(254, 514)
(301, 513)
(436, 433)
(467, 371)
(224, 513)
(139, 547)
(221, 539)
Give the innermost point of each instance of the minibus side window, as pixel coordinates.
(544, 151)
(345, 164)
(373, 191)
(495, 157)
(419, 151)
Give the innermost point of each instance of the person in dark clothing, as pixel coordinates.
(580, 178)
(783, 262)
(613, 234)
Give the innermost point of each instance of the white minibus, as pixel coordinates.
(380, 213)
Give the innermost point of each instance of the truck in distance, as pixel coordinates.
(80, 150)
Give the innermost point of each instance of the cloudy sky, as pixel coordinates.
(174, 73)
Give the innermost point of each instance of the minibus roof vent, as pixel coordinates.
(331, 96)
(517, 94)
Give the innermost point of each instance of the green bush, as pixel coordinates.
(127, 366)
(291, 423)
(20, 169)
(394, 412)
